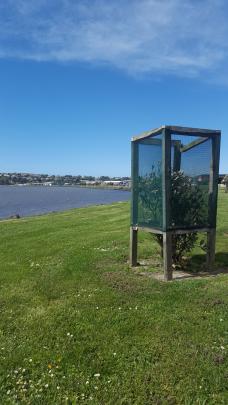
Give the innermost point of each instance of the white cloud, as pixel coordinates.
(184, 37)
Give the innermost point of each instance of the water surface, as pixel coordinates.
(34, 200)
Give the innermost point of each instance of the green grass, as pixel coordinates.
(78, 326)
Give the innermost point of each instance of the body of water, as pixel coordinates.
(29, 200)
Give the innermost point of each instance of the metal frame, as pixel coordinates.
(167, 233)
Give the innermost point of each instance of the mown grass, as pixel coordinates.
(78, 326)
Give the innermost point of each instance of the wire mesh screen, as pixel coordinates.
(150, 182)
(189, 182)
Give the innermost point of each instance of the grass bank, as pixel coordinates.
(78, 326)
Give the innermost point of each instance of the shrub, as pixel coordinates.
(188, 208)
(225, 181)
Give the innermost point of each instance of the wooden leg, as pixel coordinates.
(211, 237)
(167, 256)
(133, 246)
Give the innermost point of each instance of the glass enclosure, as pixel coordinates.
(173, 181)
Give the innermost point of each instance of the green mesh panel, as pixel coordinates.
(150, 182)
(190, 176)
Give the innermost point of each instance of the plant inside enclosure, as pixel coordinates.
(225, 181)
(188, 207)
(150, 195)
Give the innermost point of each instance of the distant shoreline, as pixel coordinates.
(98, 186)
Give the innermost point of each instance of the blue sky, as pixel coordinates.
(79, 78)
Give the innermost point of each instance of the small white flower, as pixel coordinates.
(58, 387)
(221, 320)
(87, 382)
(222, 347)
(114, 354)
(46, 385)
(8, 392)
(30, 360)
(97, 307)
(68, 334)
(97, 375)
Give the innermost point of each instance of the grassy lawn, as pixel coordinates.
(78, 326)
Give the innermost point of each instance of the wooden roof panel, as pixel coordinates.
(177, 130)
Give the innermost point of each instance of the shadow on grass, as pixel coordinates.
(197, 266)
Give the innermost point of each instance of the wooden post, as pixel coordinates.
(211, 237)
(134, 204)
(177, 157)
(166, 173)
(134, 185)
(167, 256)
(133, 246)
(213, 183)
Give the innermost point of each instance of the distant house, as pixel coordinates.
(113, 182)
(91, 182)
(47, 183)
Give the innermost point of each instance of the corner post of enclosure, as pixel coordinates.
(213, 183)
(167, 255)
(213, 196)
(211, 239)
(177, 156)
(166, 175)
(134, 203)
(133, 246)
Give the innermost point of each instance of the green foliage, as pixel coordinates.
(150, 195)
(188, 202)
(225, 181)
(188, 207)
